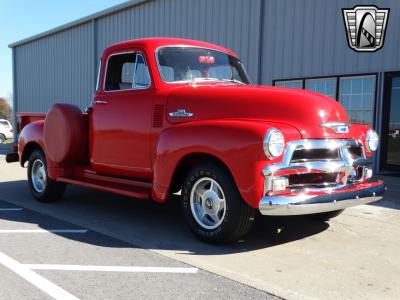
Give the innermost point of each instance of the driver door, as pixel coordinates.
(121, 120)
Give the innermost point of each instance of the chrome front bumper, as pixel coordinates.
(348, 190)
(312, 203)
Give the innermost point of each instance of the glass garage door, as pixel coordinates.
(391, 120)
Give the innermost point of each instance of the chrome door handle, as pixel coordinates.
(100, 102)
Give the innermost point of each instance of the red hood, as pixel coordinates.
(301, 109)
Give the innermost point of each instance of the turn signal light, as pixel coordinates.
(279, 184)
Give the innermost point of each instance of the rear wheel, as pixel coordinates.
(2, 139)
(326, 216)
(41, 186)
(213, 207)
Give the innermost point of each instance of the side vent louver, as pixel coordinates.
(158, 115)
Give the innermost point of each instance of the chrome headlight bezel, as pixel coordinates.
(372, 140)
(274, 143)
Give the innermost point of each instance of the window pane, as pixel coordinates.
(345, 101)
(127, 72)
(356, 102)
(368, 85)
(356, 86)
(120, 72)
(298, 84)
(326, 86)
(142, 76)
(345, 86)
(168, 73)
(367, 117)
(190, 63)
(220, 72)
(331, 88)
(367, 101)
(357, 96)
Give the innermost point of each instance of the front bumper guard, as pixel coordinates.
(313, 203)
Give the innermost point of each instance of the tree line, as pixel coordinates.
(5, 109)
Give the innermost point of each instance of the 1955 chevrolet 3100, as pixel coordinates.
(175, 114)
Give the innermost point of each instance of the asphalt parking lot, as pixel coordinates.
(355, 256)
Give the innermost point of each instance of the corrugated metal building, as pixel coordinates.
(282, 42)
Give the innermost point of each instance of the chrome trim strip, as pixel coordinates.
(303, 204)
(338, 127)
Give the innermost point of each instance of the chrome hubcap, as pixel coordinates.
(207, 202)
(39, 176)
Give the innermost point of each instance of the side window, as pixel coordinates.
(126, 72)
(142, 76)
(120, 69)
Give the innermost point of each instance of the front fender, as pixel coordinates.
(237, 143)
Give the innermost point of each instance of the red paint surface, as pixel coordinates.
(229, 123)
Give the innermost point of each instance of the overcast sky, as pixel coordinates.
(20, 19)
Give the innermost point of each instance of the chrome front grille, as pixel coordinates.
(304, 155)
(319, 164)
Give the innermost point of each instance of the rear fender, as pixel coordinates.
(31, 134)
(238, 144)
(30, 138)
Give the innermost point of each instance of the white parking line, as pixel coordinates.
(112, 269)
(11, 209)
(40, 282)
(43, 231)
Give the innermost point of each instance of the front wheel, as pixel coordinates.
(42, 187)
(213, 207)
(2, 139)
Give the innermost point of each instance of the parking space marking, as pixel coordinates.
(112, 269)
(11, 209)
(43, 230)
(40, 282)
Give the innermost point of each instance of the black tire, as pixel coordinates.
(2, 139)
(326, 216)
(239, 216)
(52, 190)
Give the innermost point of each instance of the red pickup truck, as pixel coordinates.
(172, 115)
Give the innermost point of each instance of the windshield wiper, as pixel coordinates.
(232, 80)
(216, 79)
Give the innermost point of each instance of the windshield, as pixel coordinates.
(188, 64)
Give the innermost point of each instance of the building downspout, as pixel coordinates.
(260, 42)
(14, 79)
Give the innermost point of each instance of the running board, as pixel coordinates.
(135, 189)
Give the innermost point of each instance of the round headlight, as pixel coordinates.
(274, 143)
(372, 140)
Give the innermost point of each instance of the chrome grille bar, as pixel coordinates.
(346, 163)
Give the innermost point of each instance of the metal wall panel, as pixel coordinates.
(57, 68)
(230, 23)
(286, 39)
(308, 38)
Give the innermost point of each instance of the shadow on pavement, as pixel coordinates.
(4, 149)
(391, 198)
(142, 223)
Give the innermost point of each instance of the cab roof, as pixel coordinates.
(157, 42)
